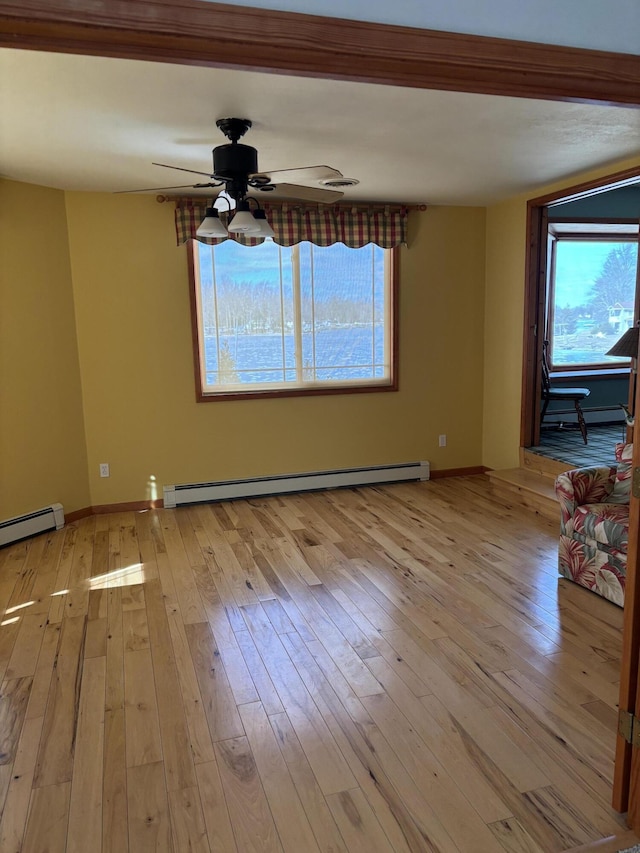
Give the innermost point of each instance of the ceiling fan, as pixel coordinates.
(235, 167)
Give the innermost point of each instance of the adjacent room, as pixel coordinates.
(282, 562)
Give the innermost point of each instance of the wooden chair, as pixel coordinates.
(573, 395)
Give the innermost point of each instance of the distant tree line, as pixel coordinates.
(256, 308)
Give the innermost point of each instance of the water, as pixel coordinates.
(340, 354)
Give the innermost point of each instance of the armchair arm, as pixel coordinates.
(583, 486)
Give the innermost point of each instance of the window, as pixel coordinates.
(591, 296)
(302, 319)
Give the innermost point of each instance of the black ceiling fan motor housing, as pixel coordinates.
(234, 160)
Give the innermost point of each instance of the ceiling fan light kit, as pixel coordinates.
(211, 226)
(242, 221)
(235, 168)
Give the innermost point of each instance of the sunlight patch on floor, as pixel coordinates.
(128, 576)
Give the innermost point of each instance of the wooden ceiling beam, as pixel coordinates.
(225, 36)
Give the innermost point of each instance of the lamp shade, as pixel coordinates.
(211, 225)
(627, 345)
(261, 220)
(243, 221)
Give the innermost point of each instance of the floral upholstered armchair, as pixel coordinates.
(594, 525)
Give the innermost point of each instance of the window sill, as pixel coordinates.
(593, 373)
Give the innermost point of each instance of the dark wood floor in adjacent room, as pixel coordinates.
(367, 670)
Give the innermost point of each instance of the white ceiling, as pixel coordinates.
(89, 123)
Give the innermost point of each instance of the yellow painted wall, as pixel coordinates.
(504, 317)
(504, 307)
(132, 306)
(42, 444)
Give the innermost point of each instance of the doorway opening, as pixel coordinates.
(581, 295)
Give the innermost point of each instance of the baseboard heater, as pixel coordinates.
(193, 493)
(48, 518)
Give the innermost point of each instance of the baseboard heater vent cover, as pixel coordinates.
(48, 518)
(193, 493)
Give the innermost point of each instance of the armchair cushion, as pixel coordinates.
(582, 486)
(594, 525)
(607, 524)
(622, 485)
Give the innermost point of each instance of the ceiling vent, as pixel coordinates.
(339, 183)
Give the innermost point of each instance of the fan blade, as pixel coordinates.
(304, 193)
(305, 174)
(161, 189)
(182, 169)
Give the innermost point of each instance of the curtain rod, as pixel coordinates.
(162, 198)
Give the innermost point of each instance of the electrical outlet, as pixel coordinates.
(104, 469)
(442, 441)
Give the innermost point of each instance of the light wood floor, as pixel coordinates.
(380, 669)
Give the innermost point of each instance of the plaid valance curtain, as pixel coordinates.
(355, 225)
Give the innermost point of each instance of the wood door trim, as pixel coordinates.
(221, 35)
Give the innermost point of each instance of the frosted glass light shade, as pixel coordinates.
(243, 222)
(261, 220)
(211, 225)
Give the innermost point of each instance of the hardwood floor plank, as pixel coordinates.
(177, 748)
(406, 816)
(77, 599)
(327, 761)
(253, 825)
(16, 805)
(135, 629)
(513, 838)
(565, 776)
(216, 813)
(570, 827)
(148, 810)
(44, 668)
(592, 681)
(142, 727)
(587, 735)
(187, 821)
(179, 665)
(289, 816)
(61, 585)
(358, 823)
(219, 705)
(240, 680)
(85, 809)
(55, 759)
(27, 645)
(14, 696)
(114, 695)
(254, 579)
(324, 827)
(185, 585)
(115, 835)
(439, 734)
(430, 776)
(46, 830)
(214, 608)
(264, 685)
(228, 564)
